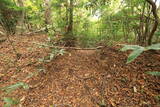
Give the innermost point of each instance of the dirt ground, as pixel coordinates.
(79, 78)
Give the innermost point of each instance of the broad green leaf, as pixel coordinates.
(15, 86)
(154, 47)
(134, 55)
(137, 50)
(9, 102)
(131, 47)
(154, 73)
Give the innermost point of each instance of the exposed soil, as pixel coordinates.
(80, 78)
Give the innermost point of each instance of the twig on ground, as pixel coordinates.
(1, 33)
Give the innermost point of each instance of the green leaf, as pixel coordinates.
(154, 73)
(15, 86)
(9, 102)
(134, 55)
(131, 47)
(154, 47)
(61, 52)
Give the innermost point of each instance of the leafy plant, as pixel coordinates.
(137, 50)
(157, 98)
(10, 101)
(15, 86)
(55, 52)
(154, 73)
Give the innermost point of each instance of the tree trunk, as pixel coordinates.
(47, 13)
(66, 6)
(69, 37)
(141, 26)
(154, 12)
(70, 24)
(21, 21)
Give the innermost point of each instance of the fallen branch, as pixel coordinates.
(77, 48)
(73, 48)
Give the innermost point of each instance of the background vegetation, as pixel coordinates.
(85, 23)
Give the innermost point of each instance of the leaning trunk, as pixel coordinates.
(154, 12)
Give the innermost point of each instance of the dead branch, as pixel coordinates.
(72, 48)
(76, 48)
(2, 33)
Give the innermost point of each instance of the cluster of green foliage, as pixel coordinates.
(9, 15)
(34, 14)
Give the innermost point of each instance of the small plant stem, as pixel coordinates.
(13, 47)
(15, 51)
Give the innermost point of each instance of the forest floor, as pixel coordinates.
(79, 78)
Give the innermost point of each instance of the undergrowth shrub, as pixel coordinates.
(87, 41)
(9, 15)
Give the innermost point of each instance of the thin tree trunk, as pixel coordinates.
(69, 37)
(147, 26)
(140, 36)
(70, 26)
(47, 13)
(21, 22)
(66, 14)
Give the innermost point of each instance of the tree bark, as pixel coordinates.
(69, 37)
(70, 26)
(154, 12)
(47, 13)
(21, 21)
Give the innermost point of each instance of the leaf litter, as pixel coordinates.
(79, 78)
